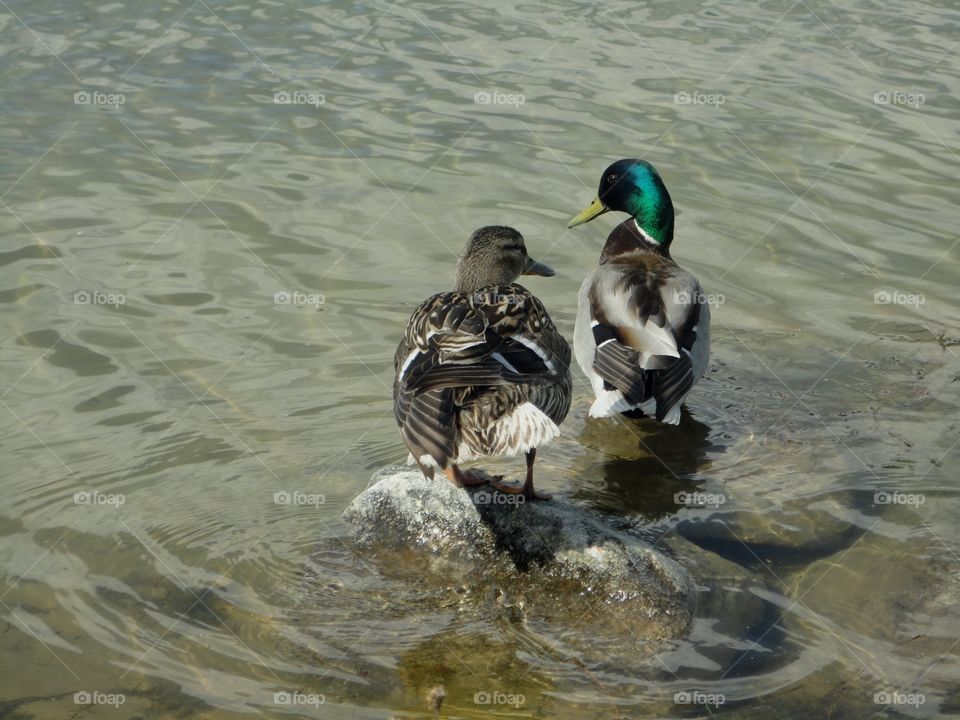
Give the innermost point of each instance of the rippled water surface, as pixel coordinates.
(216, 218)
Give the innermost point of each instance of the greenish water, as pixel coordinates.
(158, 192)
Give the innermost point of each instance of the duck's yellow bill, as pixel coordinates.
(595, 209)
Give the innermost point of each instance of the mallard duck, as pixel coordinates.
(481, 370)
(642, 334)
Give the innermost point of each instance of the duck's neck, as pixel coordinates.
(628, 238)
(470, 276)
(651, 207)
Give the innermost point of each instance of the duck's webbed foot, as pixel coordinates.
(475, 477)
(532, 494)
(466, 478)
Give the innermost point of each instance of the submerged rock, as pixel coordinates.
(798, 533)
(553, 560)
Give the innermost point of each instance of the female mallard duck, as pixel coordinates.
(642, 334)
(482, 371)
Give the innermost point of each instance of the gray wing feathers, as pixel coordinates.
(645, 316)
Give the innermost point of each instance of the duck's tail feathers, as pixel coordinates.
(609, 403)
(612, 402)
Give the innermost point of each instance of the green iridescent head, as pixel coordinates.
(634, 187)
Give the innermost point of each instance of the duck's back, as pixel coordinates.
(642, 334)
(481, 373)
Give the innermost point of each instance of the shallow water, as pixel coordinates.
(150, 224)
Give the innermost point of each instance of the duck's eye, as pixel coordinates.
(612, 178)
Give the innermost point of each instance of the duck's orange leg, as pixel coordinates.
(528, 490)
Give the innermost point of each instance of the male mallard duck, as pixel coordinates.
(642, 334)
(481, 370)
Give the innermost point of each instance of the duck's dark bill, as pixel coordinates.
(593, 210)
(537, 268)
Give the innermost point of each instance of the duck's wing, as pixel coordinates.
(498, 336)
(534, 347)
(644, 314)
(457, 340)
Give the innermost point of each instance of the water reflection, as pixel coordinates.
(647, 464)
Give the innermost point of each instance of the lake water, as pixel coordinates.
(216, 218)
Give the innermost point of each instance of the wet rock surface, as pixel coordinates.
(550, 561)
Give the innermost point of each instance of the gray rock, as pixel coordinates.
(553, 560)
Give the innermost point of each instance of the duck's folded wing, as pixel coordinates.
(453, 343)
(456, 343)
(644, 324)
(427, 423)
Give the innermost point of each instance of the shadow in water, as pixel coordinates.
(647, 464)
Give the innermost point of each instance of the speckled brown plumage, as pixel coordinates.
(481, 370)
(467, 361)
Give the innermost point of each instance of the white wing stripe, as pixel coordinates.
(406, 363)
(506, 363)
(541, 353)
